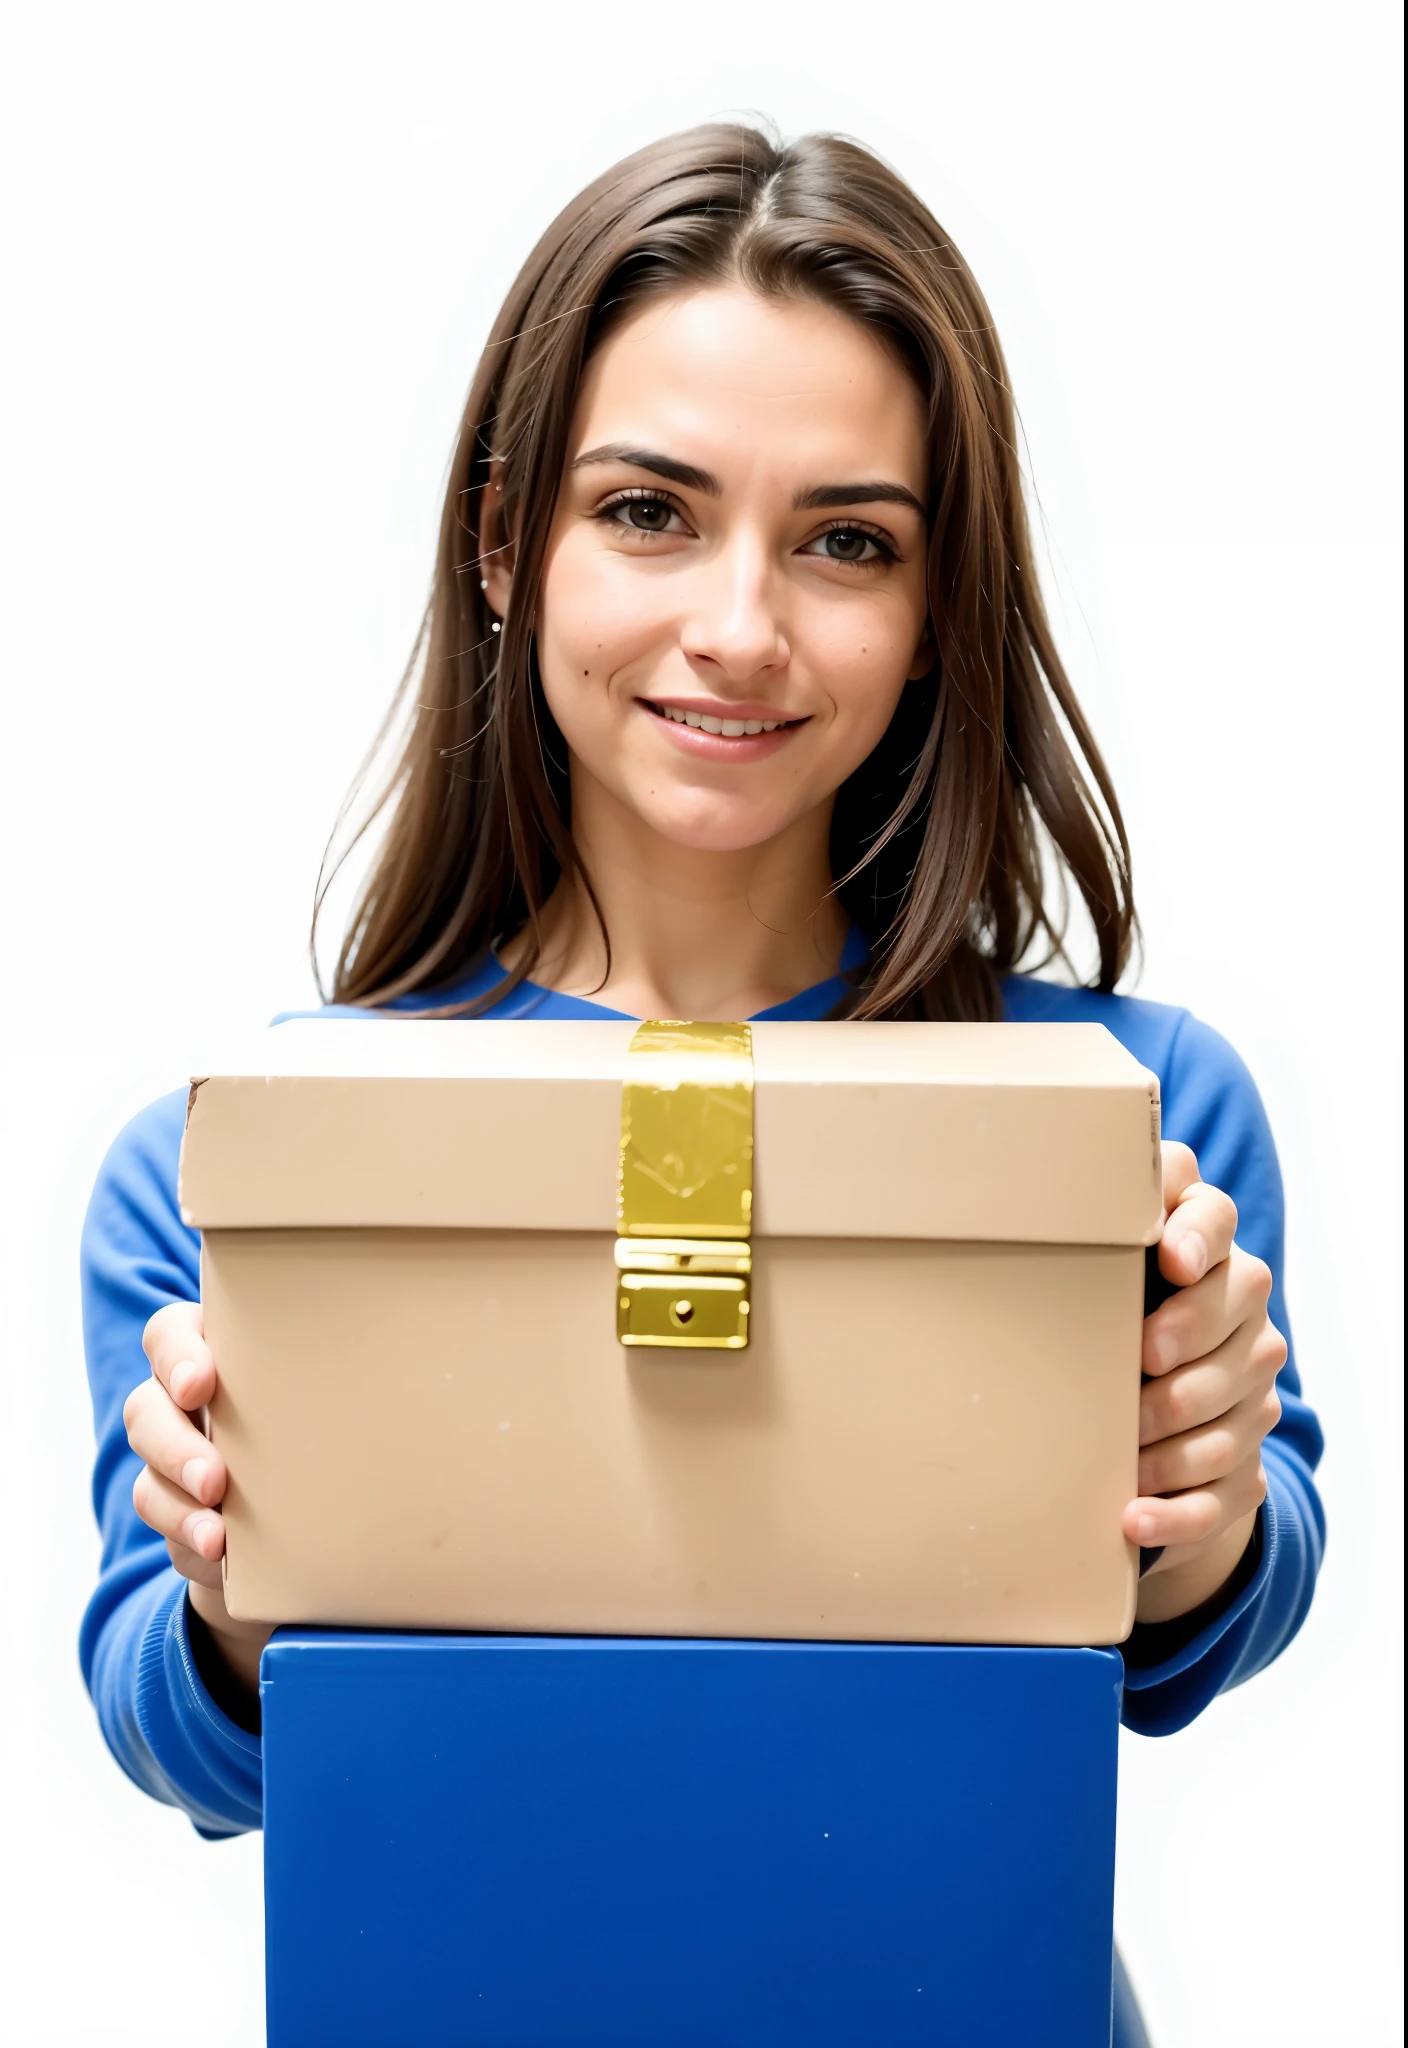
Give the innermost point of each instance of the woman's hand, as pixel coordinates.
(1212, 1356)
(182, 1482)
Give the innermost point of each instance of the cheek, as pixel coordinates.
(593, 618)
(860, 655)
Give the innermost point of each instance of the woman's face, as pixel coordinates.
(734, 594)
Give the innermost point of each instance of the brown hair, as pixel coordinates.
(938, 838)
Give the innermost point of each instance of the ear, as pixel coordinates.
(496, 550)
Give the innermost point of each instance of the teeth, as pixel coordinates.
(728, 728)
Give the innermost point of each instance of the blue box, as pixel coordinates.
(587, 1843)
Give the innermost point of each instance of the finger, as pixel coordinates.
(1203, 1455)
(164, 1437)
(1194, 1322)
(1199, 1392)
(1198, 1233)
(178, 1354)
(1180, 1171)
(191, 1565)
(1195, 1516)
(172, 1512)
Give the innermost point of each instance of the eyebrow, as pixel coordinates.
(682, 473)
(873, 491)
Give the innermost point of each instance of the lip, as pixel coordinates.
(714, 746)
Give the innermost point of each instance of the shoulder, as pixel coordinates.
(526, 1000)
(353, 1012)
(134, 1212)
(141, 1162)
(477, 981)
(1209, 1099)
(1153, 1032)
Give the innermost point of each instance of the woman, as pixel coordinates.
(736, 698)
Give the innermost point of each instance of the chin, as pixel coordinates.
(710, 828)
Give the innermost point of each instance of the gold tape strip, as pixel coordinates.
(685, 1188)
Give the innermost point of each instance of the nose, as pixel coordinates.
(732, 631)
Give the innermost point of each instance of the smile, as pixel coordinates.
(723, 728)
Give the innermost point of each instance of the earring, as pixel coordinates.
(482, 584)
(494, 627)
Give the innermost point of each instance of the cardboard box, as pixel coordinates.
(924, 1424)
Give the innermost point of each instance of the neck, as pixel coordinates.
(693, 934)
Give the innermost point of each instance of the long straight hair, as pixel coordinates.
(954, 843)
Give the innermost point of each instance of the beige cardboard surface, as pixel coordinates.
(1033, 1133)
(929, 1442)
(429, 1422)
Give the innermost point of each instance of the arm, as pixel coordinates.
(147, 1663)
(1237, 1579)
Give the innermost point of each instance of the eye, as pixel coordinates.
(854, 544)
(643, 512)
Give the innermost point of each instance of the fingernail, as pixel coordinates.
(1148, 1528)
(193, 1475)
(181, 1377)
(1165, 1348)
(1195, 1253)
(198, 1528)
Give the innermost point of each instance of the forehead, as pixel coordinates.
(734, 381)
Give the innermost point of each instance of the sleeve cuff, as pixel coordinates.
(1163, 1693)
(1145, 1672)
(1155, 1645)
(213, 1768)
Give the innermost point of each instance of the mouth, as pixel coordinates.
(739, 725)
(732, 732)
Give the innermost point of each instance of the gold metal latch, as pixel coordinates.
(685, 1192)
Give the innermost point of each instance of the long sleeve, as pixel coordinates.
(156, 1715)
(1210, 1103)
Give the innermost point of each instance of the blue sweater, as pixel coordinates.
(174, 1740)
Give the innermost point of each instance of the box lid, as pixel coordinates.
(1035, 1133)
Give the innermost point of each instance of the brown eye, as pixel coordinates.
(855, 545)
(651, 515)
(845, 544)
(643, 512)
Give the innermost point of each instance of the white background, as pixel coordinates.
(250, 257)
